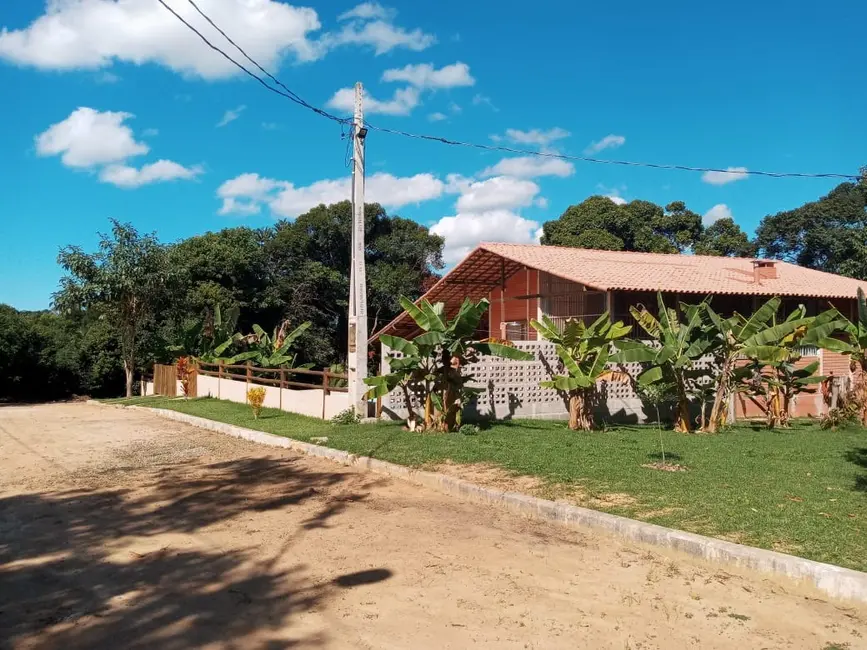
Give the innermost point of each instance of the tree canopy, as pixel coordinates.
(829, 234)
(598, 222)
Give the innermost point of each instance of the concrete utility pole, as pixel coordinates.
(357, 354)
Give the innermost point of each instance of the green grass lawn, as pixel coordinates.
(801, 491)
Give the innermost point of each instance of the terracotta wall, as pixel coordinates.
(512, 304)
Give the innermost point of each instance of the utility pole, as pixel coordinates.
(357, 354)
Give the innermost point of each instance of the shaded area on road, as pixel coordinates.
(86, 554)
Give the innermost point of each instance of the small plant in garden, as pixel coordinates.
(658, 395)
(255, 398)
(185, 369)
(584, 351)
(848, 412)
(347, 416)
(433, 365)
(469, 429)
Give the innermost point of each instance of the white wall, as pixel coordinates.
(305, 402)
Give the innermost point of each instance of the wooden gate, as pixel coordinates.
(165, 380)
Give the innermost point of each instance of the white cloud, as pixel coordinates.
(534, 136)
(454, 108)
(465, 231)
(610, 141)
(91, 34)
(88, 137)
(162, 170)
(484, 100)
(368, 11)
(401, 103)
(616, 199)
(107, 78)
(717, 212)
(731, 175)
(500, 192)
(437, 117)
(530, 167)
(425, 75)
(245, 193)
(231, 115)
(370, 24)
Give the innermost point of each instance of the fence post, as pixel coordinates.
(249, 377)
(282, 381)
(219, 377)
(325, 376)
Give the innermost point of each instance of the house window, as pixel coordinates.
(516, 330)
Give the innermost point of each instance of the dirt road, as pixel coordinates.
(122, 530)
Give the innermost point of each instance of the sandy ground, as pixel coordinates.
(122, 530)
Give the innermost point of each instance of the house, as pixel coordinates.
(522, 282)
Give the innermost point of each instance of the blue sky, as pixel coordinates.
(113, 109)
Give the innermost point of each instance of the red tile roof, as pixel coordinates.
(702, 274)
(488, 265)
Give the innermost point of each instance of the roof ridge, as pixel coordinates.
(602, 250)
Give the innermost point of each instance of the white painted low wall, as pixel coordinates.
(147, 389)
(304, 402)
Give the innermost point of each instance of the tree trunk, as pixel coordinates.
(860, 390)
(716, 412)
(128, 371)
(682, 422)
(580, 415)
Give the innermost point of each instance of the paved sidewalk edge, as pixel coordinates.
(832, 580)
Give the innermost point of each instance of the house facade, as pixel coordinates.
(523, 282)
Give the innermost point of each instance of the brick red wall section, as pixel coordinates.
(506, 306)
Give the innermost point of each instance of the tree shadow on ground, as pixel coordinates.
(78, 568)
(858, 456)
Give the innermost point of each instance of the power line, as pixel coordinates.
(288, 94)
(603, 161)
(294, 97)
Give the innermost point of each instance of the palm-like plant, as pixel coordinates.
(584, 352)
(774, 352)
(273, 351)
(851, 340)
(433, 365)
(680, 339)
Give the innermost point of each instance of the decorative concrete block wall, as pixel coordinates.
(511, 389)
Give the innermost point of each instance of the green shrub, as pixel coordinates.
(349, 416)
(469, 429)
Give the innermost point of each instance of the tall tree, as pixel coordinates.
(599, 222)
(725, 239)
(124, 282)
(829, 234)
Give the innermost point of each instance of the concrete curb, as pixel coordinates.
(831, 580)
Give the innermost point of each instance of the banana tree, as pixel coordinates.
(680, 339)
(850, 339)
(584, 352)
(274, 351)
(432, 367)
(774, 353)
(203, 337)
(756, 336)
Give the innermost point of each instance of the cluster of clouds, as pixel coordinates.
(420, 77)
(487, 204)
(94, 34)
(104, 143)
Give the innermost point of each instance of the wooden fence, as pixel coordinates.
(165, 380)
(324, 380)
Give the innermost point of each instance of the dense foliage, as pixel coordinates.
(431, 370)
(146, 301)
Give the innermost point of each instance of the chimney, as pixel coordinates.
(764, 270)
